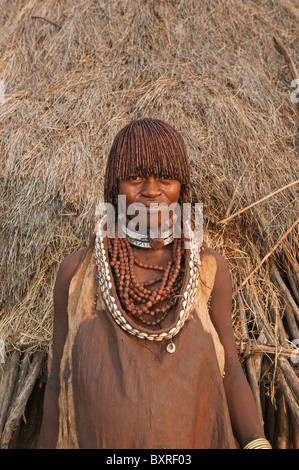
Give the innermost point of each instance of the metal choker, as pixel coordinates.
(143, 241)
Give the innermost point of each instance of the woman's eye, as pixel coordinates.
(134, 178)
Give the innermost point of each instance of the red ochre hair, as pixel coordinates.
(147, 147)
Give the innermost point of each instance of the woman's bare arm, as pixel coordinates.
(242, 407)
(50, 424)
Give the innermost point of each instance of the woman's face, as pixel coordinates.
(147, 193)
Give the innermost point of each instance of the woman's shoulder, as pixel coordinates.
(69, 265)
(220, 259)
(222, 286)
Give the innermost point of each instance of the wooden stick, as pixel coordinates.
(288, 395)
(255, 348)
(283, 435)
(13, 371)
(4, 375)
(293, 286)
(291, 321)
(283, 50)
(46, 20)
(290, 381)
(295, 432)
(252, 373)
(266, 257)
(277, 321)
(20, 403)
(23, 369)
(270, 425)
(286, 291)
(257, 202)
(290, 376)
(261, 319)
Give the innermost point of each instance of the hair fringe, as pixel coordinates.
(147, 147)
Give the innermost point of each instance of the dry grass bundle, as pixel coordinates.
(74, 73)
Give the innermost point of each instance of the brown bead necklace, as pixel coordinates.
(136, 299)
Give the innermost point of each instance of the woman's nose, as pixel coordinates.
(151, 187)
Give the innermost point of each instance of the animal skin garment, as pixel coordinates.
(119, 391)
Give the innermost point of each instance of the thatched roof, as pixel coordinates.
(74, 73)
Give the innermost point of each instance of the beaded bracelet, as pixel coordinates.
(260, 443)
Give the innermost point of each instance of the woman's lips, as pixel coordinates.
(153, 208)
(155, 205)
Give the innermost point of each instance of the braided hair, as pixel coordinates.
(147, 147)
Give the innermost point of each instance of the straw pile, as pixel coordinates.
(74, 73)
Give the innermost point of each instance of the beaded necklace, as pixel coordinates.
(145, 299)
(134, 295)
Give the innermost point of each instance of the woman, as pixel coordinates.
(140, 360)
